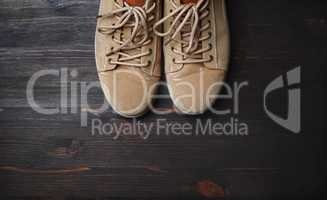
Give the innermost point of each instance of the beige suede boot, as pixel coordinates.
(128, 53)
(196, 50)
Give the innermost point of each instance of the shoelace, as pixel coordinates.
(136, 18)
(188, 18)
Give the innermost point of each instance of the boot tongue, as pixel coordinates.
(135, 2)
(188, 1)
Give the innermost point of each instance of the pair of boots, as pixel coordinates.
(128, 52)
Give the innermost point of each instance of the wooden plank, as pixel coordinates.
(53, 156)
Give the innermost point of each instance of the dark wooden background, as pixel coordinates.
(52, 156)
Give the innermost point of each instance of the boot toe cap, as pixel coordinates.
(129, 93)
(195, 92)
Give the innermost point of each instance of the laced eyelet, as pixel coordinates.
(210, 46)
(211, 58)
(172, 48)
(124, 42)
(174, 60)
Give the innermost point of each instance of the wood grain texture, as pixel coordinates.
(54, 157)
